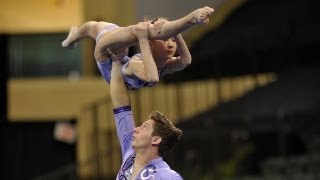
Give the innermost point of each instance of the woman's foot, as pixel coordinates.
(67, 43)
(201, 15)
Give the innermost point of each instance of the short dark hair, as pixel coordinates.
(164, 128)
(152, 21)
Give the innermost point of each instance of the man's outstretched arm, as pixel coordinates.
(118, 90)
(121, 103)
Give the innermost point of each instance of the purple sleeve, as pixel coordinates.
(125, 127)
(167, 174)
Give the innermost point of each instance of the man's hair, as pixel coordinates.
(166, 130)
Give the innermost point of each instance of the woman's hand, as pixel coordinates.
(141, 30)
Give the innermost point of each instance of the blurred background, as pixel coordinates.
(248, 104)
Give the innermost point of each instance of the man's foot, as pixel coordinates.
(201, 15)
(67, 43)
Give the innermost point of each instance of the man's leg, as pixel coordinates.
(118, 90)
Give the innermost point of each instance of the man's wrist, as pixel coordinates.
(122, 109)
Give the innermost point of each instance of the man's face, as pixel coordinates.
(142, 136)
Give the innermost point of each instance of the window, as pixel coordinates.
(42, 55)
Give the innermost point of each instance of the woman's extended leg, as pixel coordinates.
(123, 37)
(173, 28)
(89, 29)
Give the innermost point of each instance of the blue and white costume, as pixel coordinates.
(156, 169)
(132, 82)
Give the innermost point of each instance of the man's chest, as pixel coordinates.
(127, 173)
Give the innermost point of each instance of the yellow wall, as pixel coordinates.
(119, 12)
(39, 16)
(44, 99)
(52, 16)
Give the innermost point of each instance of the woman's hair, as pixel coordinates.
(152, 21)
(166, 130)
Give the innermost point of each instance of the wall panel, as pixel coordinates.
(39, 16)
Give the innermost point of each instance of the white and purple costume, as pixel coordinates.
(156, 169)
(132, 82)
